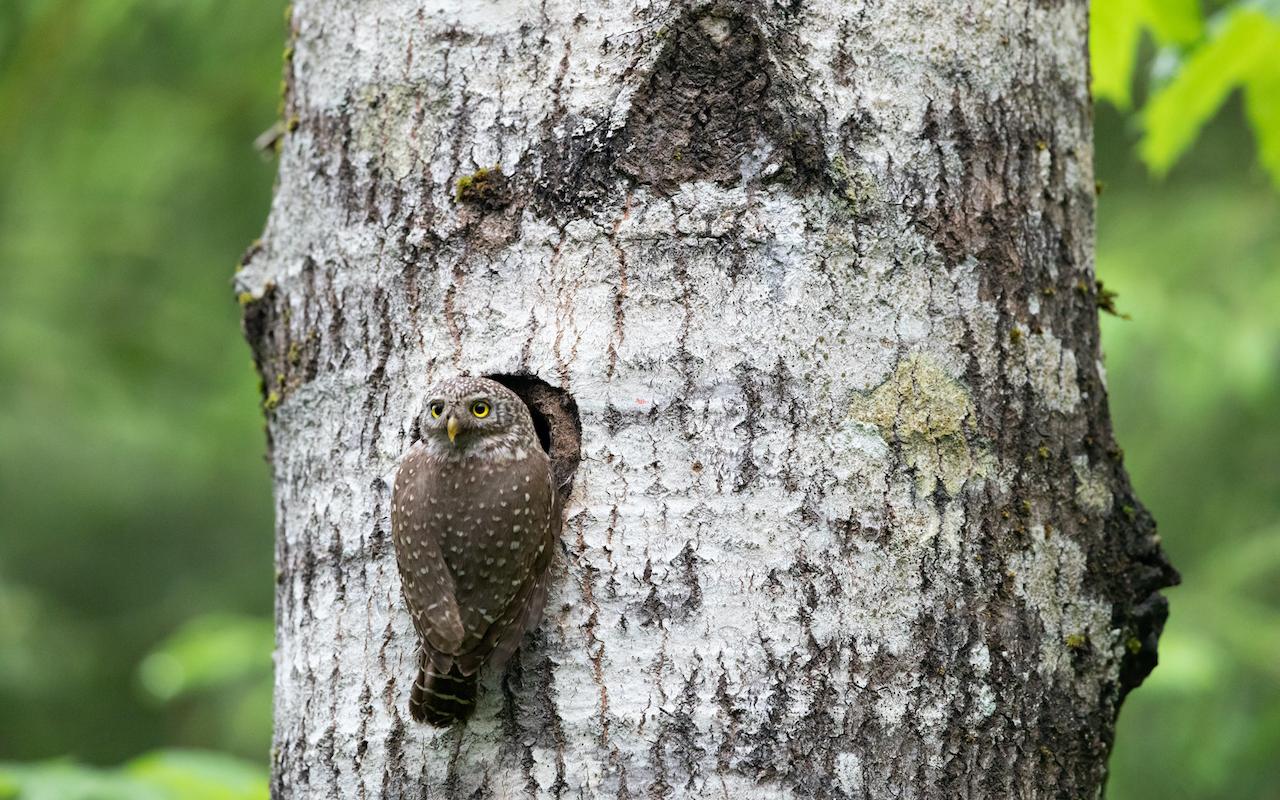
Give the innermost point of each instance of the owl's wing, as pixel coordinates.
(524, 608)
(425, 580)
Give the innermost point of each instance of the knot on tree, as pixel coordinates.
(717, 106)
(487, 189)
(716, 102)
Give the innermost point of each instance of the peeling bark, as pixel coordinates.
(849, 519)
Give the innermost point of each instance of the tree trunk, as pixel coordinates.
(849, 520)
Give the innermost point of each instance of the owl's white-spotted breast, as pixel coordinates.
(475, 516)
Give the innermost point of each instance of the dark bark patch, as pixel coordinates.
(752, 393)
(486, 188)
(716, 107)
(489, 208)
(766, 757)
(260, 321)
(675, 594)
(676, 753)
(1129, 536)
(1005, 197)
(717, 104)
(284, 357)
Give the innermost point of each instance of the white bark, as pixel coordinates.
(849, 521)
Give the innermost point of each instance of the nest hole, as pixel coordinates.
(557, 422)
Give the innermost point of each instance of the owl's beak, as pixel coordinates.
(452, 426)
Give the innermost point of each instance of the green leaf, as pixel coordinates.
(1262, 105)
(1173, 21)
(1176, 113)
(1114, 29)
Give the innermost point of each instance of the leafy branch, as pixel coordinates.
(1200, 63)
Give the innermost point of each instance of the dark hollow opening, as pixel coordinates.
(556, 420)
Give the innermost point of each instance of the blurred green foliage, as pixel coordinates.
(1199, 64)
(209, 652)
(135, 510)
(134, 496)
(162, 775)
(1194, 383)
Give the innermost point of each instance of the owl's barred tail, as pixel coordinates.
(442, 698)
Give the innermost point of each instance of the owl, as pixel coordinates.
(475, 515)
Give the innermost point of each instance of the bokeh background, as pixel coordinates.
(135, 507)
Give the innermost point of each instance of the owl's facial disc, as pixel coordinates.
(465, 417)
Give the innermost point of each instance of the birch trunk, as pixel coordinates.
(849, 520)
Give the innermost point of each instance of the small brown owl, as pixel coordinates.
(475, 515)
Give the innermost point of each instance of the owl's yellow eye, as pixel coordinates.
(436, 410)
(480, 408)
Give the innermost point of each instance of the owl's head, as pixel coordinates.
(467, 413)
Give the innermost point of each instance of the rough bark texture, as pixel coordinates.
(849, 520)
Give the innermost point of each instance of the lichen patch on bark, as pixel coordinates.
(930, 416)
